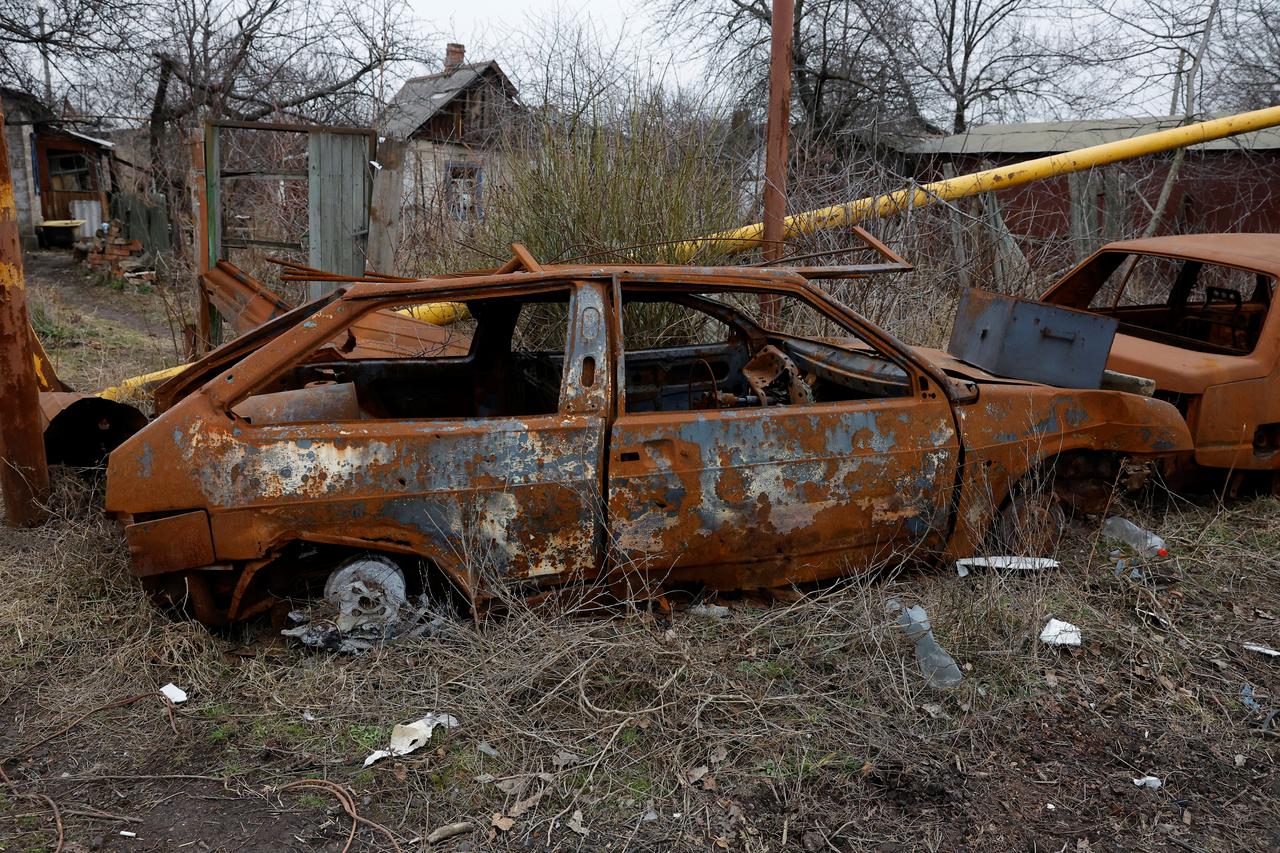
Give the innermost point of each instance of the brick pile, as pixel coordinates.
(116, 257)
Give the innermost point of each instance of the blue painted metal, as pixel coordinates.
(1021, 339)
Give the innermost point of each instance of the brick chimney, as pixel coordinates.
(453, 55)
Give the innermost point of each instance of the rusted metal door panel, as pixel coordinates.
(784, 493)
(1238, 425)
(515, 496)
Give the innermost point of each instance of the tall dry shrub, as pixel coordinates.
(618, 179)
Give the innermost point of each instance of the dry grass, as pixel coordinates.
(806, 722)
(97, 335)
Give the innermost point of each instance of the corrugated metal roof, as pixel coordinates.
(1056, 136)
(420, 98)
(104, 143)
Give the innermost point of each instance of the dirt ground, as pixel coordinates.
(802, 724)
(98, 334)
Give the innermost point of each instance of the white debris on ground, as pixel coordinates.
(1262, 650)
(407, 737)
(174, 693)
(1059, 633)
(1005, 563)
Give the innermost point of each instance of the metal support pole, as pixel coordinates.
(200, 244)
(779, 123)
(24, 472)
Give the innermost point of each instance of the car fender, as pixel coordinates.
(1012, 430)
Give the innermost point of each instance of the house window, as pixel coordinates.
(463, 189)
(69, 170)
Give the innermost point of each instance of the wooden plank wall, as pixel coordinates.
(338, 183)
(384, 210)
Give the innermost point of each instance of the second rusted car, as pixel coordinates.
(627, 425)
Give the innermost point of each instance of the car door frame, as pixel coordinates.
(246, 528)
(646, 522)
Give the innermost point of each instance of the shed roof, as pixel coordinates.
(420, 98)
(1050, 137)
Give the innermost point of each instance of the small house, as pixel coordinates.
(58, 174)
(449, 122)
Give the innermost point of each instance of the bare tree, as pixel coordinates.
(1247, 60)
(922, 64)
(46, 36)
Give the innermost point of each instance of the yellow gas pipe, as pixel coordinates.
(999, 178)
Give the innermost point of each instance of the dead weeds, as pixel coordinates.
(800, 725)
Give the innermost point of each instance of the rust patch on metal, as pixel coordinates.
(170, 544)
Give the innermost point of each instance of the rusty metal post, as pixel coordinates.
(777, 132)
(24, 471)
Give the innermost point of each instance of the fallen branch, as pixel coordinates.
(348, 805)
(53, 807)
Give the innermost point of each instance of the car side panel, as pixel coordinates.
(1012, 429)
(767, 496)
(514, 497)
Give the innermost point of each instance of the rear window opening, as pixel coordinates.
(1191, 304)
(514, 368)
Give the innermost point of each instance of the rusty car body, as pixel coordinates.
(1196, 316)
(628, 426)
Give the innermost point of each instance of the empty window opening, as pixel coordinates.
(721, 351)
(1189, 303)
(464, 185)
(514, 368)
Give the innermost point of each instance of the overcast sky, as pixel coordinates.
(491, 28)
(486, 22)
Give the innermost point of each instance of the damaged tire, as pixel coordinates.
(1031, 523)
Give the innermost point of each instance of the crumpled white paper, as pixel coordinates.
(407, 737)
(1059, 633)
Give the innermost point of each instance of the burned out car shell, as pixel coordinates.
(1230, 400)
(746, 497)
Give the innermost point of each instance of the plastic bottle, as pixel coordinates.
(1143, 542)
(938, 667)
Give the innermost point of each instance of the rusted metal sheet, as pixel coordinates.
(170, 544)
(1031, 340)
(241, 299)
(46, 377)
(81, 430)
(1230, 397)
(246, 303)
(331, 401)
(512, 470)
